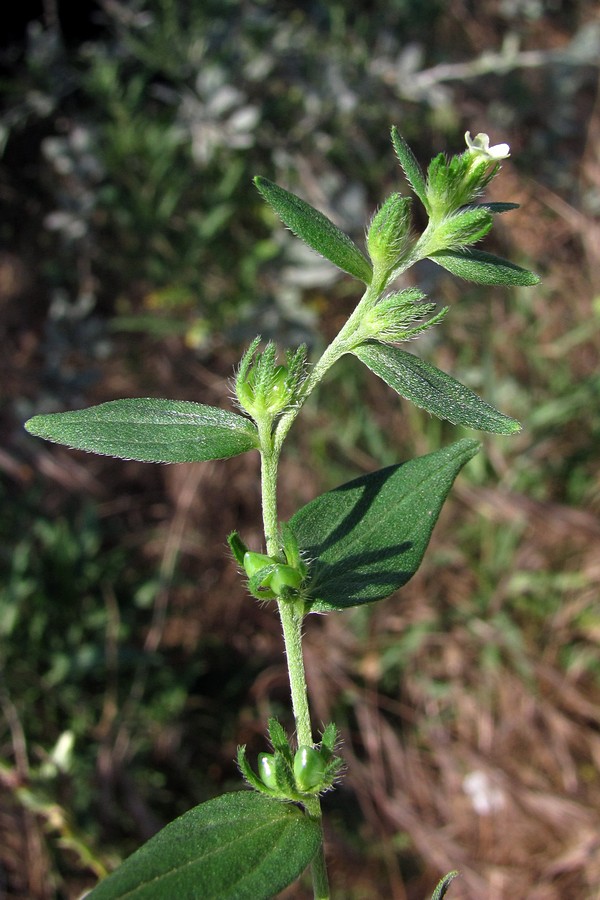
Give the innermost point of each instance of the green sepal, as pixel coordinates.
(285, 777)
(316, 230)
(410, 166)
(332, 771)
(290, 547)
(329, 740)
(150, 430)
(279, 740)
(240, 846)
(368, 537)
(433, 390)
(237, 547)
(444, 884)
(484, 268)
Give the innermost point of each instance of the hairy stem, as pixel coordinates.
(291, 623)
(344, 342)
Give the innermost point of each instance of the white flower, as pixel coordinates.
(480, 145)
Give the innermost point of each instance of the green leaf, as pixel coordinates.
(442, 888)
(241, 846)
(433, 390)
(316, 230)
(150, 430)
(367, 538)
(484, 268)
(410, 166)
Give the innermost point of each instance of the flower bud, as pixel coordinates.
(389, 231)
(284, 580)
(309, 768)
(266, 770)
(267, 396)
(254, 562)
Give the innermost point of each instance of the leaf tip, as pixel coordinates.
(35, 425)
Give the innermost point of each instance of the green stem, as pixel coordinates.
(343, 342)
(318, 870)
(291, 623)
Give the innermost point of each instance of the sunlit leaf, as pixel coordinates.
(150, 430)
(433, 390)
(484, 268)
(410, 166)
(367, 538)
(442, 888)
(316, 230)
(241, 846)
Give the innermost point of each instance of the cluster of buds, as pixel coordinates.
(283, 576)
(449, 192)
(294, 775)
(457, 181)
(264, 388)
(399, 317)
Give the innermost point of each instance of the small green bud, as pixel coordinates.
(254, 562)
(309, 768)
(389, 232)
(266, 770)
(285, 579)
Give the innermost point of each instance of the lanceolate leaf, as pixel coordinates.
(241, 846)
(411, 167)
(433, 390)
(316, 230)
(442, 888)
(150, 430)
(367, 538)
(484, 268)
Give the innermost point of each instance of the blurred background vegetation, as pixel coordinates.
(137, 259)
